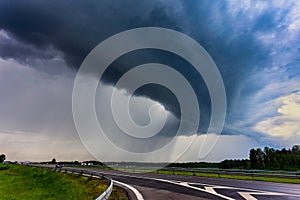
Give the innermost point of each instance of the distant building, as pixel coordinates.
(88, 163)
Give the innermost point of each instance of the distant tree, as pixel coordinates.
(76, 162)
(235, 164)
(269, 158)
(261, 157)
(254, 163)
(2, 158)
(53, 161)
(296, 149)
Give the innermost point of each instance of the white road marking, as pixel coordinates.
(138, 195)
(172, 182)
(251, 191)
(247, 196)
(209, 189)
(185, 184)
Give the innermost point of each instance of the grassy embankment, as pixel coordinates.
(31, 183)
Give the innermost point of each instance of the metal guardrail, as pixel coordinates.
(218, 172)
(252, 173)
(104, 196)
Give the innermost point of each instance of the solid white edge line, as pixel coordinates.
(186, 184)
(175, 183)
(138, 195)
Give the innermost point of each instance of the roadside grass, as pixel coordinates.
(32, 183)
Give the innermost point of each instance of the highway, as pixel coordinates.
(150, 186)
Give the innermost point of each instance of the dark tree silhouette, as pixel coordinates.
(53, 161)
(2, 158)
(275, 159)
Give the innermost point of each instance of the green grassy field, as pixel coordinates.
(31, 183)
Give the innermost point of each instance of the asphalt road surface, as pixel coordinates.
(151, 186)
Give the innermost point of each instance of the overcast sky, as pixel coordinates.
(255, 45)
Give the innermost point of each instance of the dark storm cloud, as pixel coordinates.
(23, 53)
(76, 27)
(132, 59)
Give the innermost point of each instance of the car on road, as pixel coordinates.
(59, 165)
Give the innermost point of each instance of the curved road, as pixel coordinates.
(150, 186)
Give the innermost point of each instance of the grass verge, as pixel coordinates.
(32, 183)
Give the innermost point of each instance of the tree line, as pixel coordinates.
(267, 159)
